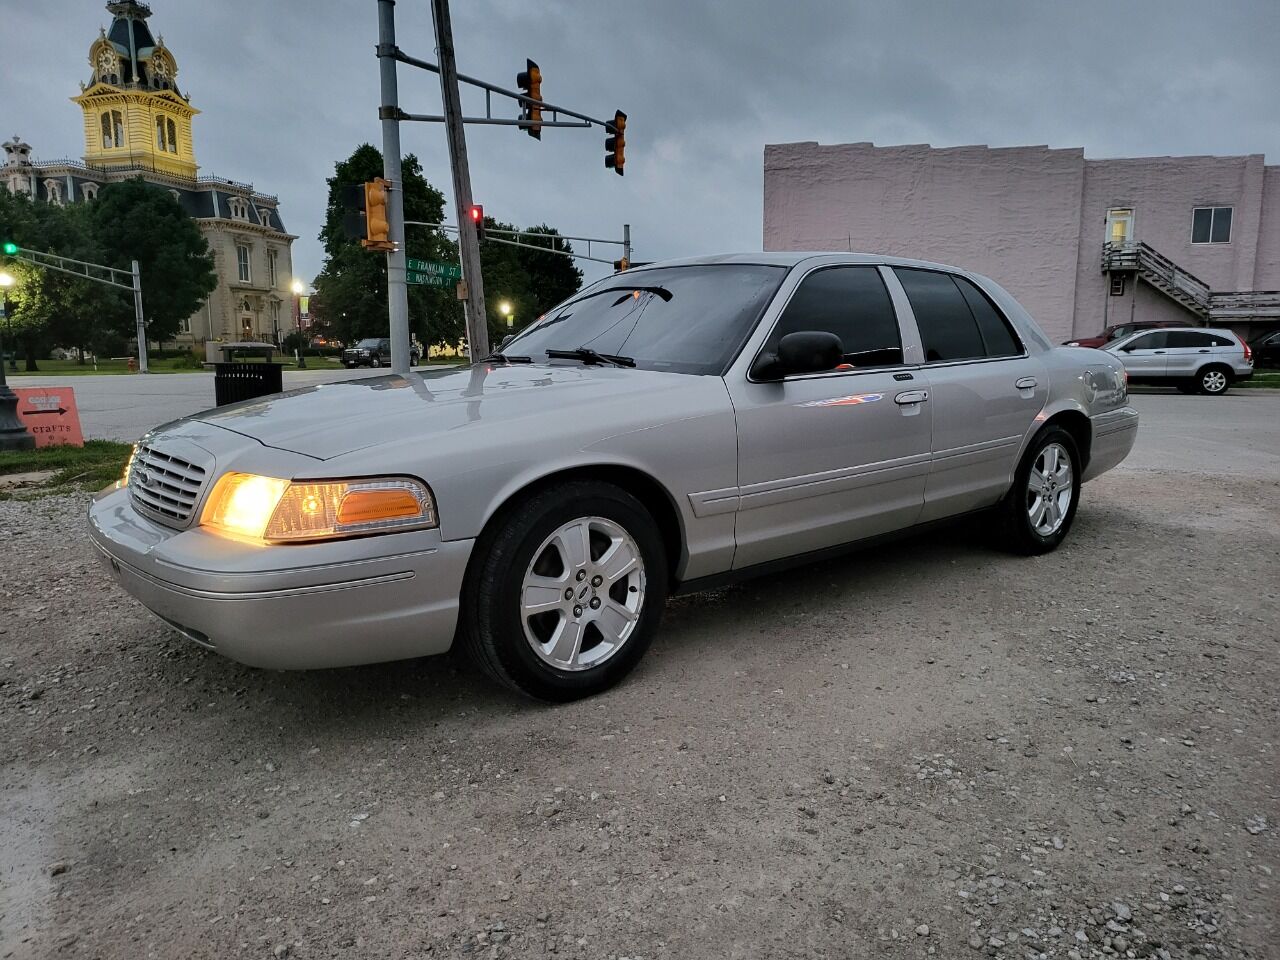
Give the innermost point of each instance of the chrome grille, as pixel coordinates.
(164, 486)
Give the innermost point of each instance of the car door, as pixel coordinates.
(1145, 356)
(1186, 350)
(985, 390)
(829, 458)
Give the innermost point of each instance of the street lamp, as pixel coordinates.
(7, 281)
(13, 435)
(298, 288)
(504, 308)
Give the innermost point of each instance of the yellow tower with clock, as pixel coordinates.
(134, 114)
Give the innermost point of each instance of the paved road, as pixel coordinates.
(120, 407)
(1236, 435)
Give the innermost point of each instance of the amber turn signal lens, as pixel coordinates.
(363, 506)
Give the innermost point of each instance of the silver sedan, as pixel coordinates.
(666, 429)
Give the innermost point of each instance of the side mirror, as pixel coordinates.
(806, 351)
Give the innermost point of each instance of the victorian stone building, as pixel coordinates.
(138, 123)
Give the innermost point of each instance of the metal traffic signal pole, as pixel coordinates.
(468, 239)
(389, 112)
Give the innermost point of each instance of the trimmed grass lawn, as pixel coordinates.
(91, 467)
(69, 368)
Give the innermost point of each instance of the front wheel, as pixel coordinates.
(375, 362)
(1213, 381)
(567, 593)
(1039, 509)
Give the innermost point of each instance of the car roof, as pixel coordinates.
(1221, 331)
(790, 258)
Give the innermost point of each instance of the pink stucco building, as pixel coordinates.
(1081, 243)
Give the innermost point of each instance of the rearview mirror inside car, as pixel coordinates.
(805, 351)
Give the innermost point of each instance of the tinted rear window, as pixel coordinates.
(947, 326)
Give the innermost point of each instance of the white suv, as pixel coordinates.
(1193, 359)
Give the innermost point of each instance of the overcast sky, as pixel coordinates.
(287, 87)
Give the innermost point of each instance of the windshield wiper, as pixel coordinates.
(507, 358)
(587, 355)
(662, 293)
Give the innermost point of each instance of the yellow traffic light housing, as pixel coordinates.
(377, 235)
(616, 143)
(530, 84)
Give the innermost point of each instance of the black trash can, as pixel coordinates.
(236, 381)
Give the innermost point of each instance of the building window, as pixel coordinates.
(161, 142)
(53, 191)
(173, 136)
(112, 129)
(242, 263)
(89, 191)
(1117, 284)
(1211, 225)
(239, 208)
(271, 266)
(176, 195)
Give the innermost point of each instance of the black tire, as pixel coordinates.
(493, 633)
(1213, 380)
(1019, 535)
(375, 361)
(414, 360)
(349, 366)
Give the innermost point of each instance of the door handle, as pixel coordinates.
(1205, 350)
(1025, 383)
(1157, 351)
(911, 396)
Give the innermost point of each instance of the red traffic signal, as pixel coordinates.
(616, 143)
(530, 84)
(476, 213)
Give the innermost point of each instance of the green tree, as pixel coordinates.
(352, 286)
(529, 281)
(136, 220)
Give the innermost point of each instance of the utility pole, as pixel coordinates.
(468, 241)
(389, 112)
(626, 243)
(137, 311)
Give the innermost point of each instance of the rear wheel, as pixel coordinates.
(1041, 506)
(1213, 381)
(567, 593)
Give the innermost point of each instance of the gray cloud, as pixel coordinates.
(287, 87)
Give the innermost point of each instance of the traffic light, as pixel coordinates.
(10, 248)
(620, 265)
(616, 143)
(530, 84)
(377, 225)
(477, 217)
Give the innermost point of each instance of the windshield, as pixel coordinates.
(678, 319)
(368, 344)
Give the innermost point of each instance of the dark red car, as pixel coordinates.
(1123, 330)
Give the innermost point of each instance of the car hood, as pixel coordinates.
(332, 419)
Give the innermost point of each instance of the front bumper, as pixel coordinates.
(295, 607)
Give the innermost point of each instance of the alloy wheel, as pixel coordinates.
(1050, 488)
(582, 594)
(1214, 381)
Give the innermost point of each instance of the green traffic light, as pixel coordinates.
(10, 249)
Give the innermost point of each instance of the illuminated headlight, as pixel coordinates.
(247, 506)
(128, 468)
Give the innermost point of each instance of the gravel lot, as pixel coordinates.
(928, 749)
